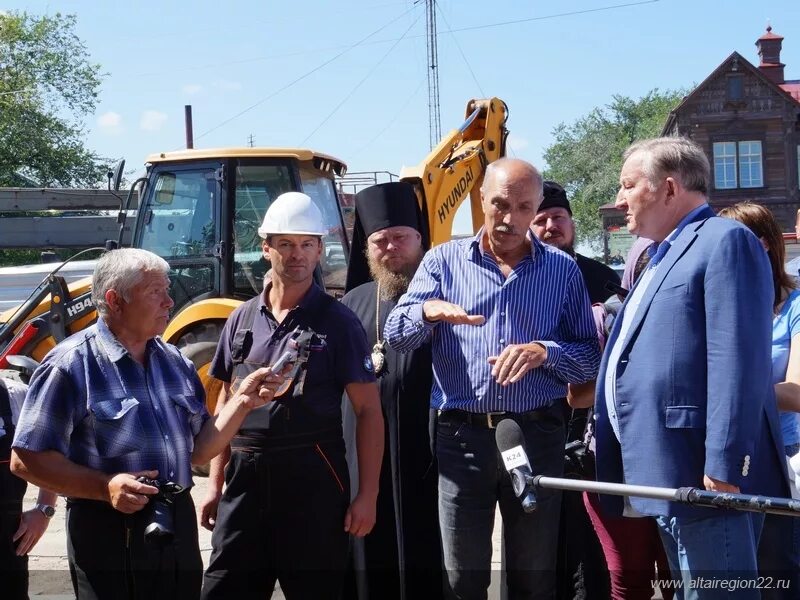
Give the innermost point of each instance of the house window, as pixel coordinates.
(738, 165)
(750, 175)
(724, 165)
(735, 87)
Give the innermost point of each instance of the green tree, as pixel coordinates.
(48, 86)
(586, 156)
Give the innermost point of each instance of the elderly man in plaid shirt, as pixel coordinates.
(110, 405)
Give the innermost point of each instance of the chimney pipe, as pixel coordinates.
(187, 109)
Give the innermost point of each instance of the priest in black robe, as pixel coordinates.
(401, 558)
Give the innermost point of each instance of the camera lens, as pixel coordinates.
(160, 529)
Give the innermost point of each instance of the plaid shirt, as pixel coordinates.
(92, 402)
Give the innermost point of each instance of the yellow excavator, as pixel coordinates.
(454, 169)
(201, 209)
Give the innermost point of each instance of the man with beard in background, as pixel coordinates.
(401, 557)
(553, 224)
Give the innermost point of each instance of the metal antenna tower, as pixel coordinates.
(434, 120)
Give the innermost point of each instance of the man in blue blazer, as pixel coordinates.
(684, 393)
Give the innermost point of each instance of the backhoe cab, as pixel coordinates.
(201, 211)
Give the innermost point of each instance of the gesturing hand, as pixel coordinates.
(128, 495)
(516, 360)
(439, 310)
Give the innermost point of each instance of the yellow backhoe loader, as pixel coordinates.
(200, 210)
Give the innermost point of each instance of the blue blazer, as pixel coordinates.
(694, 391)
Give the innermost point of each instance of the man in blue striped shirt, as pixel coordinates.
(510, 325)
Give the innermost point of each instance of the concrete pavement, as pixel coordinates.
(48, 561)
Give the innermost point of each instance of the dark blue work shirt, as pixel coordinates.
(339, 355)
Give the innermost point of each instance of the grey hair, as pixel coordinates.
(122, 270)
(676, 156)
(528, 170)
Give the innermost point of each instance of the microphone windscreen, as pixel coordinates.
(511, 444)
(508, 435)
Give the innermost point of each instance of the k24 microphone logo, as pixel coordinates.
(514, 458)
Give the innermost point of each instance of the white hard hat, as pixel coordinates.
(292, 213)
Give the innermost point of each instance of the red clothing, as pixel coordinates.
(633, 549)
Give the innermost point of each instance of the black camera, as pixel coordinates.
(578, 461)
(160, 530)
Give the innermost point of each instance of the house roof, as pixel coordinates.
(609, 206)
(769, 35)
(792, 88)
(789, 90)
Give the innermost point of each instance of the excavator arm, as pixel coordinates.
(455, 168)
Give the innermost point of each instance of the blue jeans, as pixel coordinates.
(721, 548)
(779, 552)
(472, 480)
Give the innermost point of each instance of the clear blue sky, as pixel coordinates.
(549, 61)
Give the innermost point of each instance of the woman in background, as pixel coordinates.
(779, 546)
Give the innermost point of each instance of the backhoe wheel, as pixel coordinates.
(199, 345)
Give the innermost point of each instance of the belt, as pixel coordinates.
(491, 419)
(266, 440)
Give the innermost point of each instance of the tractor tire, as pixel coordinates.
(199, 345)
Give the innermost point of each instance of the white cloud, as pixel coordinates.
(152, 120)
(227, 86)
(517, 143)
(110, 123)
(192, 88)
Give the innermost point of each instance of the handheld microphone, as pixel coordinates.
(286, 358)
(511, 444)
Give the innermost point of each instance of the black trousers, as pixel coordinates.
(281, 518)
(110, 559)
(13, 568)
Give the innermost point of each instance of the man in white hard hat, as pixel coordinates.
(285, 513)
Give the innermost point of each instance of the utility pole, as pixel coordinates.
(434, 120)
(251, 140)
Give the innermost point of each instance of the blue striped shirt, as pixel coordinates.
(544, 299)
(93, 403)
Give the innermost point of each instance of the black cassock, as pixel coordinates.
(401, 557)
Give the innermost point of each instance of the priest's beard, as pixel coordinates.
(393, 284)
